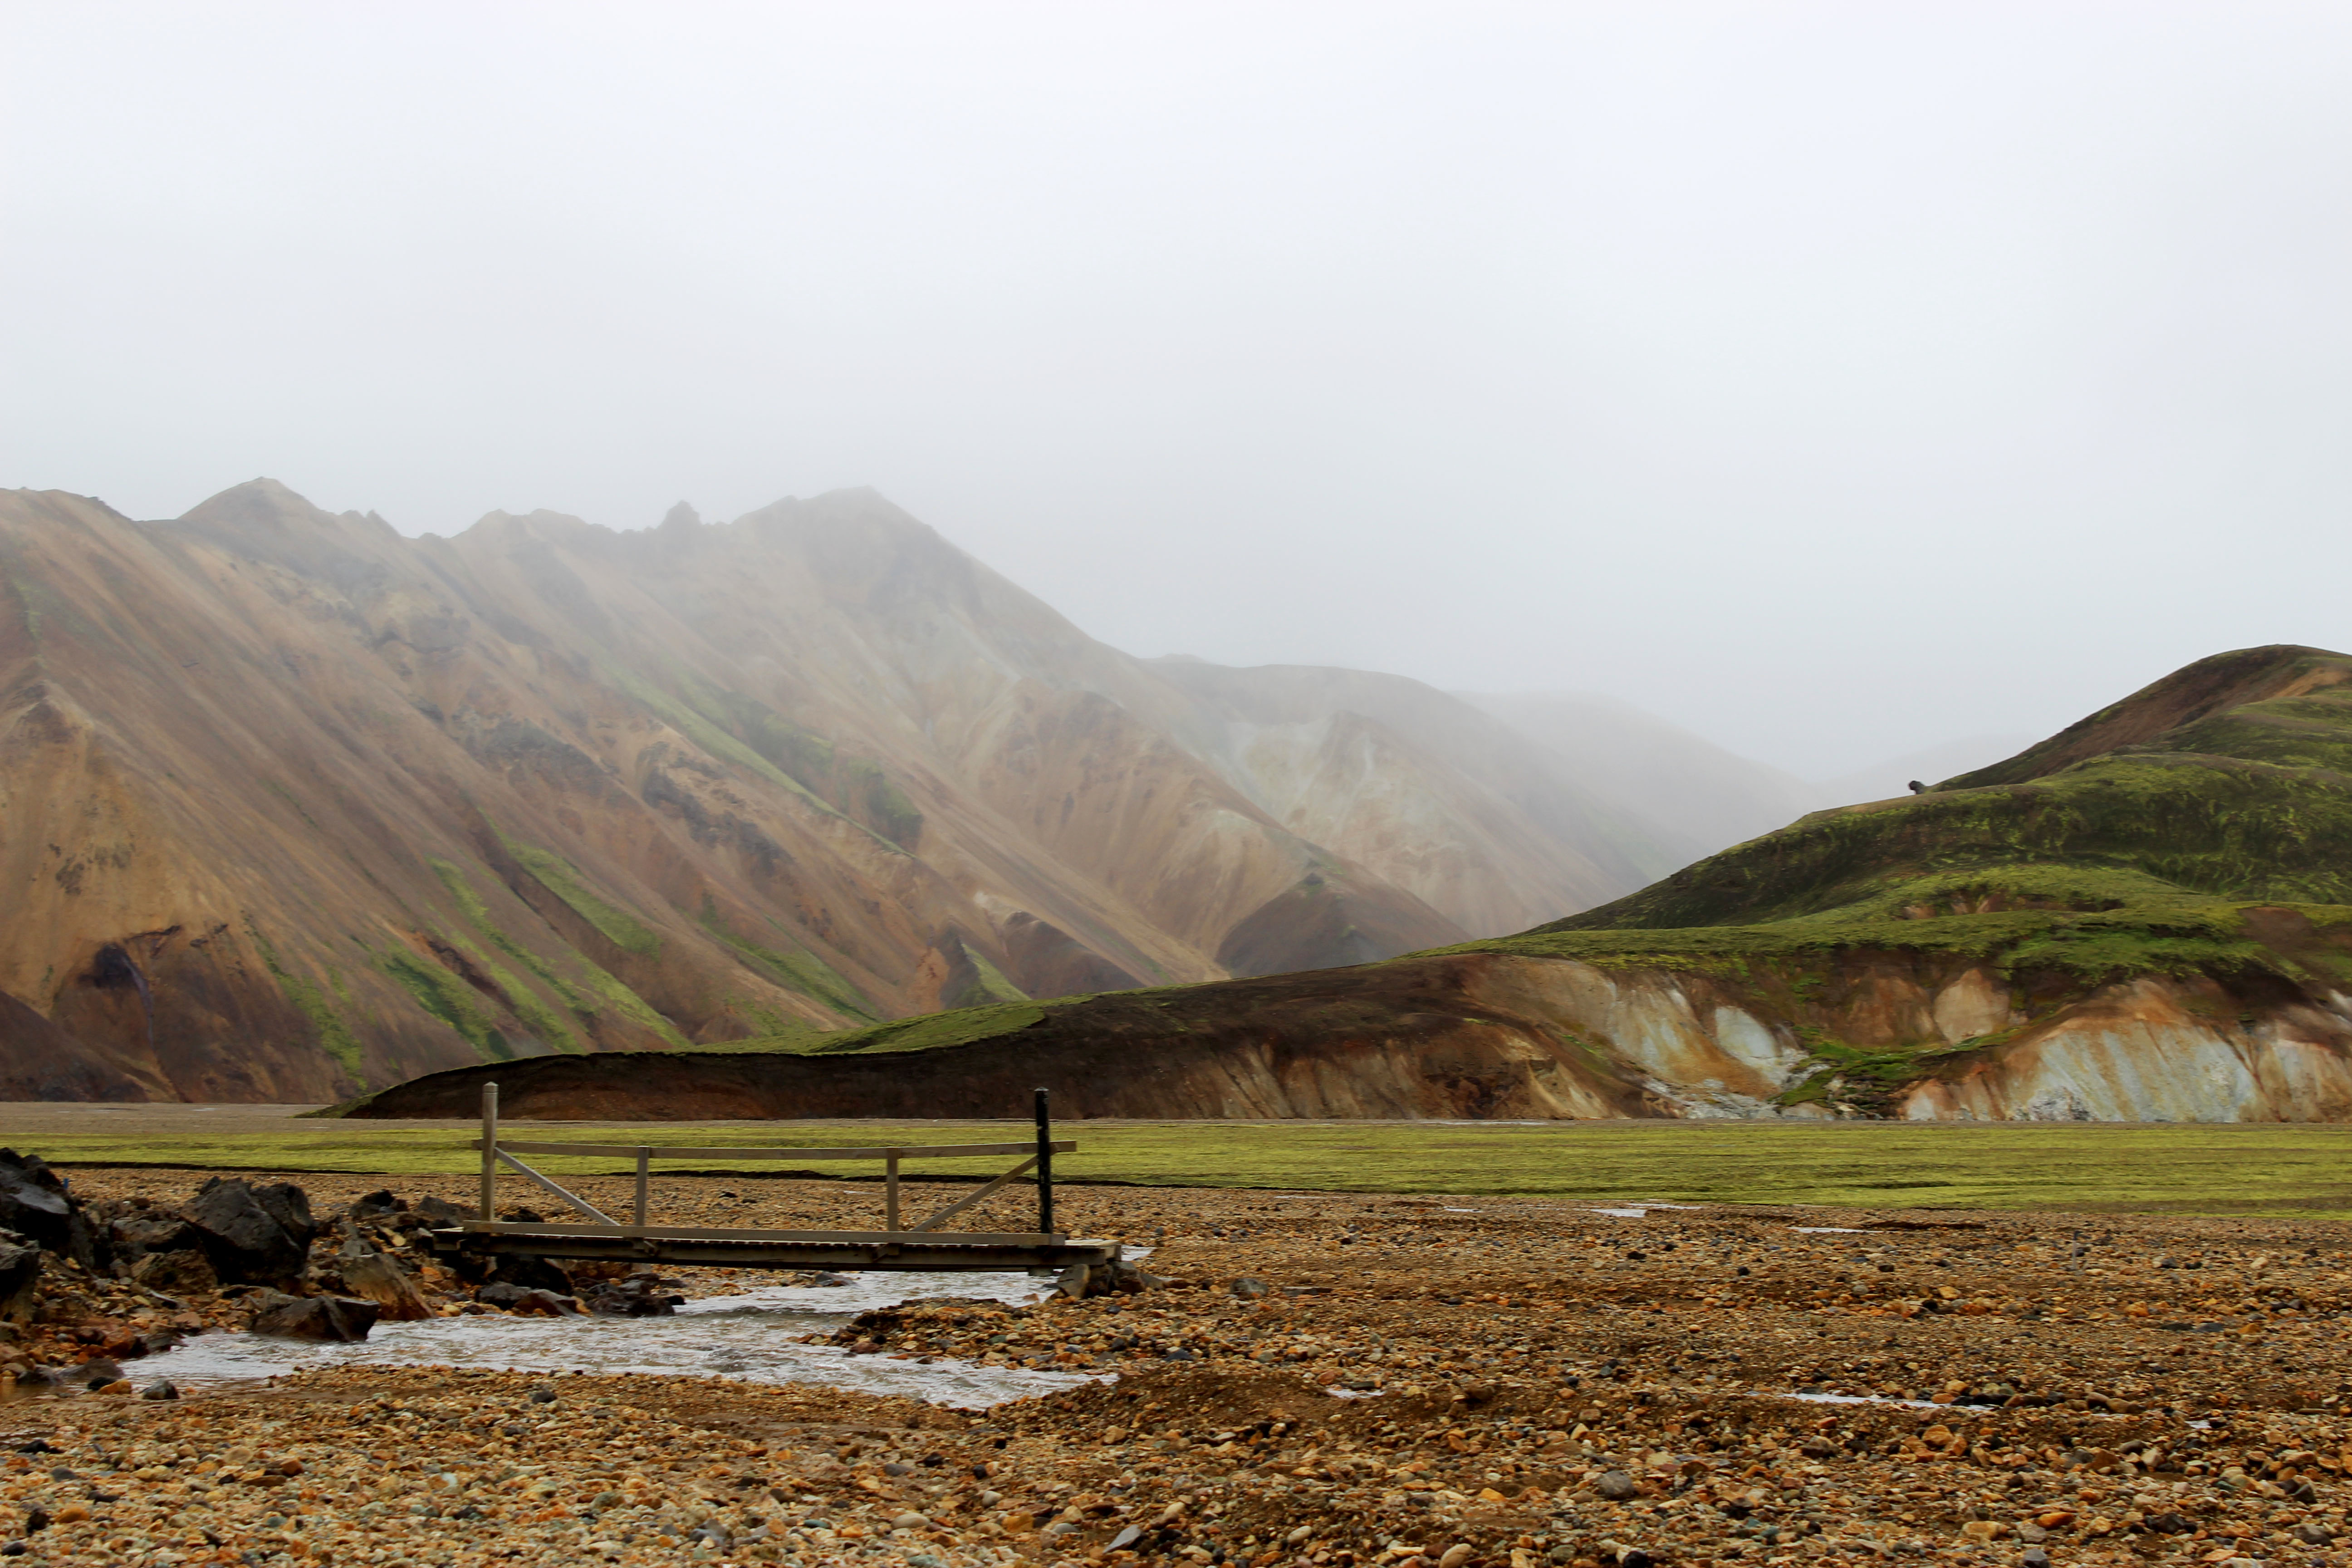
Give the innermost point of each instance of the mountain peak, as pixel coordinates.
(264, 501)
(2192, 692)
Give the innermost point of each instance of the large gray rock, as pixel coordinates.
(334, 1319)
(20, 1274)
(258, 1235)
(34, 1205)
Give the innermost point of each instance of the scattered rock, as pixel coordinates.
(161, 1388)
(1617, 1486)
(527, 1303)
(188, 1272)
(634, 1298)
(134, 1235)
(378, 1204)
(331, 1318)
(371, 1275)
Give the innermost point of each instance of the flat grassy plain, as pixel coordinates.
(2259, 1168)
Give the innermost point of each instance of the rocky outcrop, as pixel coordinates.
(292, 807)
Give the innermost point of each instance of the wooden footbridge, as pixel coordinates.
(920, 1246)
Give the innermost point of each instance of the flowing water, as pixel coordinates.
(748, 1336)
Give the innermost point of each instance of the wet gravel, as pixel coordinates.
(1342, 1380)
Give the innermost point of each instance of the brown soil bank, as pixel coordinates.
(1889, 1032)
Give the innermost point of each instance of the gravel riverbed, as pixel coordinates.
(1324, 1379)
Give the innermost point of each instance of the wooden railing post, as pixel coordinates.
(891, 1191)
(1044, 1166)
(489, 1151)
(645, 1157)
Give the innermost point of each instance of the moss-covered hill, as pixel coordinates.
(2230, 779)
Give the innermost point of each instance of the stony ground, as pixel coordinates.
(1464, 1382)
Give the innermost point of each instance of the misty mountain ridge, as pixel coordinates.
(1695, 797)
(296, 805)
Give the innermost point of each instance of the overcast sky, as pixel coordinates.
(1835, 380)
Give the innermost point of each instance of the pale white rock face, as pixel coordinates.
(1749, 1040)
(1970, 1006)
(2306, 1080)
(2120, 1071)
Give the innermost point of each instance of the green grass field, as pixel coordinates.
(2211, 1170)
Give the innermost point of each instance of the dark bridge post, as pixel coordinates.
(1044, 1166)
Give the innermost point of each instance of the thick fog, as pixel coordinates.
(1835, 380)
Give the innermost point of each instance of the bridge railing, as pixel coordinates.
(1039, 1154)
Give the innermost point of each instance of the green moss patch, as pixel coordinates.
(795, 969)
(335, 1036)
(447, 998)
(563, 879)
(962, 1027)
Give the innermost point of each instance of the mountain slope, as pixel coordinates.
(292, 807)
(2147, 917)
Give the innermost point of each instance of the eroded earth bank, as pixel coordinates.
(1483, 1035)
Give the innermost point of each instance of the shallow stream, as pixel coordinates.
(748, 1336)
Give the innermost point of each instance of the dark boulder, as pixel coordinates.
(530, 1273)
(20, 1275)
(334, 1319)
(634, 1298)
(377, 1204)
(441, 1212)
(290, 1206)
(144, 1231)
(527, 1303)
(252, 1235)
(33, 1204)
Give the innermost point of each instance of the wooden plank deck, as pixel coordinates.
(903, 1250)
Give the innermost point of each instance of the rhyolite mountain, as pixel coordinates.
(2147, 917)
(292, 807)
